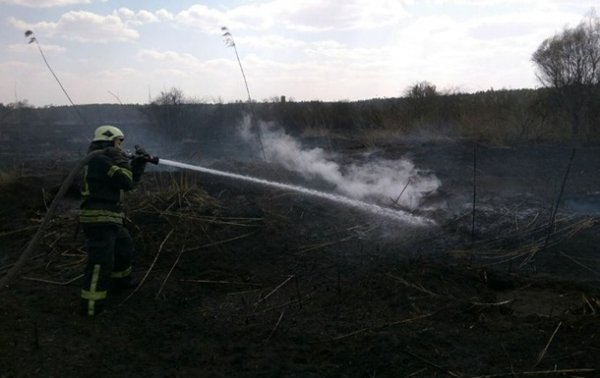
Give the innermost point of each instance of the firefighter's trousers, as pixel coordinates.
(110, 250)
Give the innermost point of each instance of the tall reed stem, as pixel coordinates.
(29, 33)
(231, 43)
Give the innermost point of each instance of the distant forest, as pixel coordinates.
(566, 109)
(493, 116)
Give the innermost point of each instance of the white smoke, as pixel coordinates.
(389, 182)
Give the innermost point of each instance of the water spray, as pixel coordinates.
(398, 215)
(33, 39)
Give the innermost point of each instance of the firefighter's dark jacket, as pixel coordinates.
(106, 177)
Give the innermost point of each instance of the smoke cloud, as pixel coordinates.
(382, 181)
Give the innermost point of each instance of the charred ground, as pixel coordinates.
(242, 280)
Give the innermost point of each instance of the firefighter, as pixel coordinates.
(109, 246)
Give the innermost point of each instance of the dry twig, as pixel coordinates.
(543, 352)
(276, 325)
(209, 219)
(53, 282)
(589, 304)
(323, 245)
(438, 367)
(395, 201)
(570, 226)
(578, 263)
(337, 338)
(170, 271)
(274, 290)
(305, 297)
(492, 304)
(416, 373)
(150, 268)
(12, 232)
(219, 242)
(412, 285)
(11, 265)
(223, 283)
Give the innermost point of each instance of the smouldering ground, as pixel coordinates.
(262, 282)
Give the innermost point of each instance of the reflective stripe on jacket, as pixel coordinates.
(106, 177)
(100, 216)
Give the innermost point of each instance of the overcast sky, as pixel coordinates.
(104, 50)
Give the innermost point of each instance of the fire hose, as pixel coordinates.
(394, 214)
(4, 281)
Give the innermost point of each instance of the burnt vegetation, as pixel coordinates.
(237, 279)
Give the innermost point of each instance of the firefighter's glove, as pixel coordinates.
(140, 150)
(143, 156)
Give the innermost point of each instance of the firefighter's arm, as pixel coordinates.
(139, 161)
(118, 170)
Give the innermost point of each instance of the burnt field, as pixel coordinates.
(239, 279)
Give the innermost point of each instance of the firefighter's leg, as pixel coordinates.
(121, 274)
(97, 275)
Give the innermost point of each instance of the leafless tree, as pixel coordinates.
(569, 63)
(419, 98)
(173, 96)
(421, 89)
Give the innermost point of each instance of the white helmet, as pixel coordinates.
(107, 133)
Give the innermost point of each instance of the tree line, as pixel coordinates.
(565, 108)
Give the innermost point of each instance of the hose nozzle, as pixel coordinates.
(140, 153)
